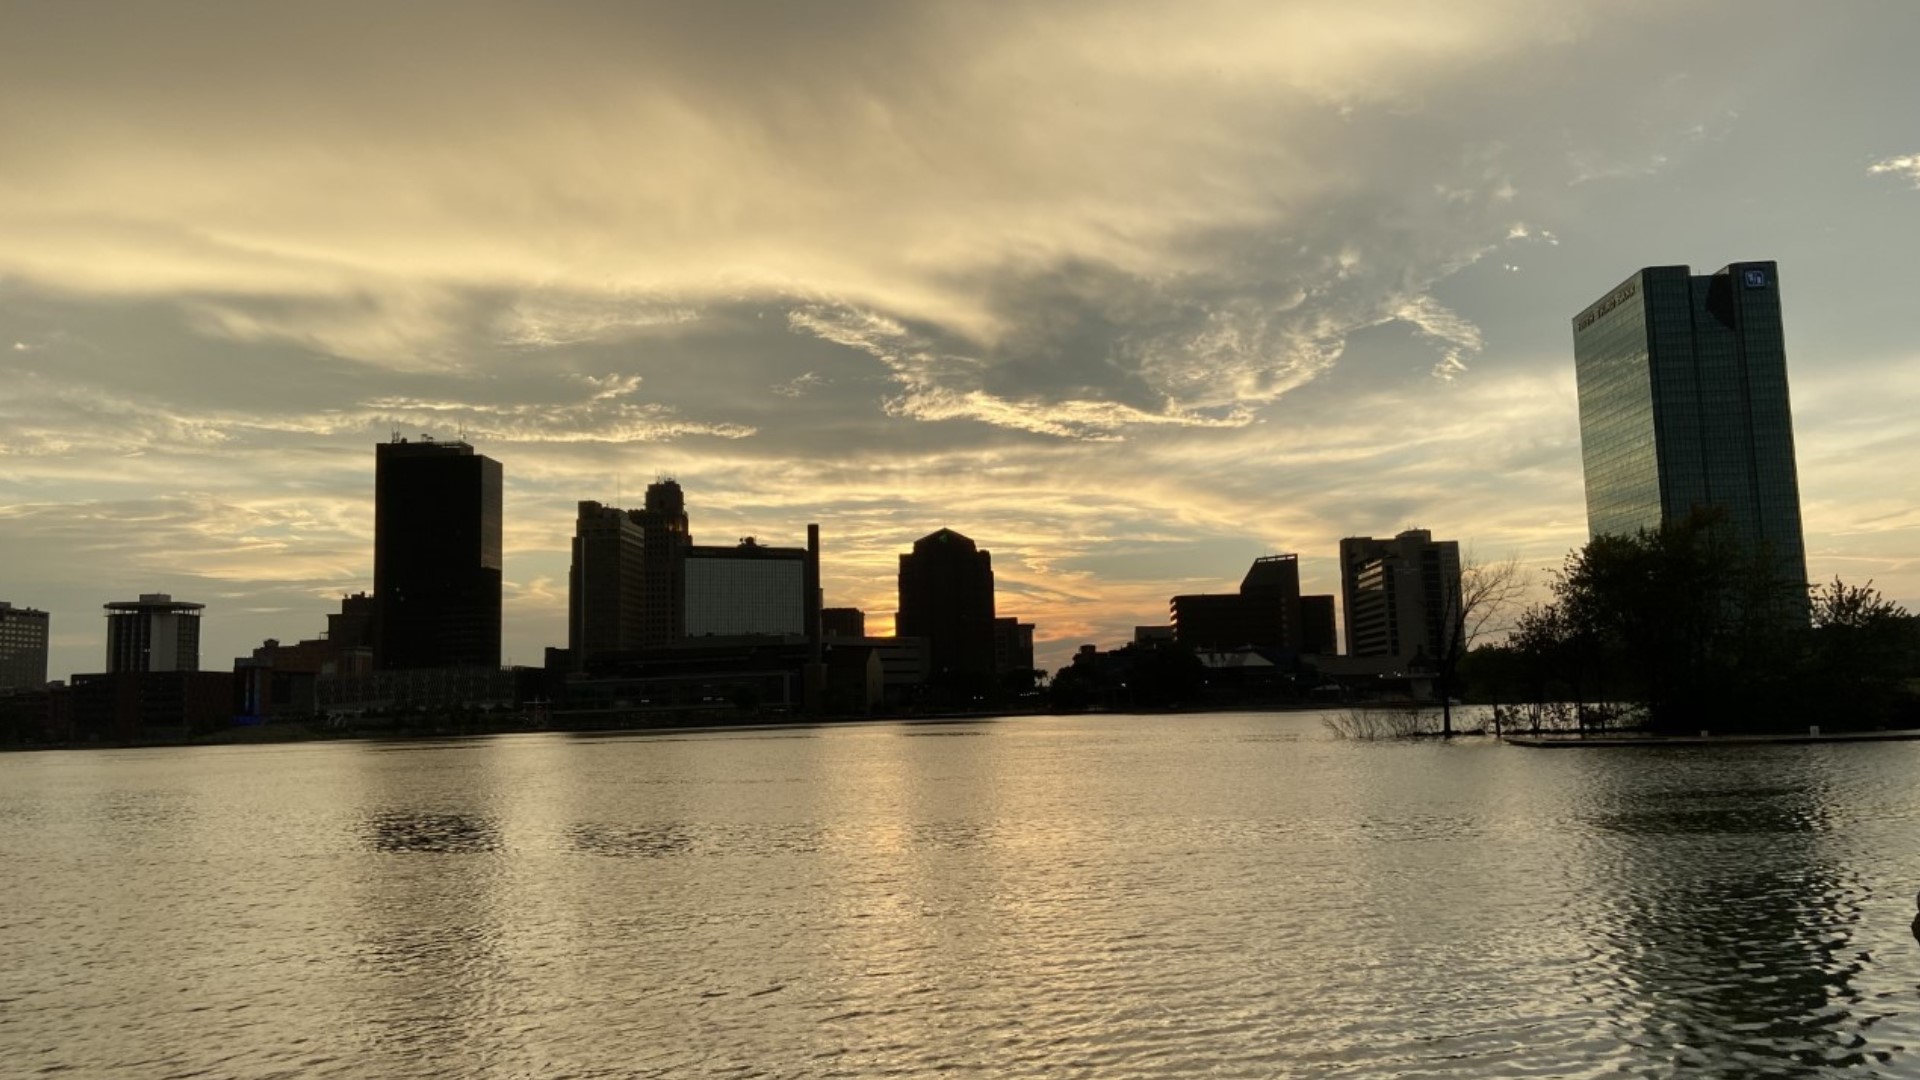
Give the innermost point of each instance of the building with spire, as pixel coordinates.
(664, 541)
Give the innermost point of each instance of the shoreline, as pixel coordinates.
(1612, 742)
(278, 734)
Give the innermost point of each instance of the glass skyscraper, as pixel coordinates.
(436, 556)
(1683, 404)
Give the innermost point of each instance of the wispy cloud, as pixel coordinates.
(1129, 293)
(1906, 166)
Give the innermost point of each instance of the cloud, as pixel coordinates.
(1129, 293)
(596, 421)
(613, 385)
(799, 385)
(625, 175)
(1906, 165)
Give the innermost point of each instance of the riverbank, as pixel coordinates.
(1596, 742)
(376, 728)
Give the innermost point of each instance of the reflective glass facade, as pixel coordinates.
(436, 556)
(736, 595)
(1684, 404)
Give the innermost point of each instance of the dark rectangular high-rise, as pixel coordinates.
(1684, 405)
(1267, 613)
(23, 647)
(946, 596)
(606, 584)
(436, 556)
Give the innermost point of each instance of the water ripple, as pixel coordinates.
(1228, 896)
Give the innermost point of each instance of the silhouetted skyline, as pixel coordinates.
(1133, 295)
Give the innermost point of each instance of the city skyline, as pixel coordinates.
(1130, 297)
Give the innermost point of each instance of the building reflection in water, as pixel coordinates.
(1727, 913)
(412, 831)
(427, 910)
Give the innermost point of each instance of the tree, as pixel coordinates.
(1701, 629)
(1487, 593)
(1860, 648)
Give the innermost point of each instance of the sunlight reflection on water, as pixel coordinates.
(1231, 895)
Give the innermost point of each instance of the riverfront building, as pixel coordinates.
(436, 556)
(843, 622)
(1317, 634)
(23, 647)
(638, 582)
(665, 539)
(153, 633)
(1401, 595)
(752, 590)
(1684, 405)
(946, 596)
(606, 584)
(1267, 613)
(1012, 645)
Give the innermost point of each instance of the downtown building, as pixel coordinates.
(606, 583)
(436, 556)
(659, 623)
(753, 590)
(1402, 596)
(1267, 612)
(665, 541)
(946, 597)
(153, 633)
(638, 581)
(1684, 407)
(23, 648)
(152, 688)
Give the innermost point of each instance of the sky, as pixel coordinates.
(1129, 293)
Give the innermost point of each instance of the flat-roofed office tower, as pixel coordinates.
(1401, 595)
(946, 596)
(606, 584)
(436, 556)
(752, 589)
(153, 633)
(1683, 405)
(1264, 614)
(23, 647)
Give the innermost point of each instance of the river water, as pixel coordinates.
(1228, 895)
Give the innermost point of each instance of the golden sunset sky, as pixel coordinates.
(1130, 293)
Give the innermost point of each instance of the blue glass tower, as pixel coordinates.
(1683, 405)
